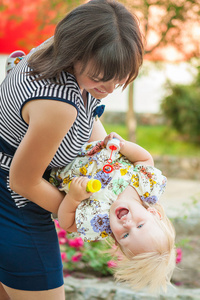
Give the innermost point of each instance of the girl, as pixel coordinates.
(48, 103)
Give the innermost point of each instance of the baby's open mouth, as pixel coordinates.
(121, 212)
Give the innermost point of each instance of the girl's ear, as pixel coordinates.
(155, 212)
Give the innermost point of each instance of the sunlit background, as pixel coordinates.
(171, 30)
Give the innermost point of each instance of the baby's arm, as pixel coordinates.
(135, 153)
(67, 208)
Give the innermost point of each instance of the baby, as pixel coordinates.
(125, 208)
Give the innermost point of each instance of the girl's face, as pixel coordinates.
(97, 88)
(134, 227)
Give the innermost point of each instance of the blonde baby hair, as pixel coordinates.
(150, 269)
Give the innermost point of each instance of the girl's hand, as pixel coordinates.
(114, 135)
(77, 190)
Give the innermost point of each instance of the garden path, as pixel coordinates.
(182, 203)
(179, 196)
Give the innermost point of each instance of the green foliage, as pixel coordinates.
(184, 243)
(96, 258)
(158, 140)
(182, 109)
(121, 129)
(77, 256)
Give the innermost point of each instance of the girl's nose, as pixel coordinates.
(109, 86)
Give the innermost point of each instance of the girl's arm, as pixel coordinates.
(67, 209)
(98, 131)
(135, 153)
(49, 121)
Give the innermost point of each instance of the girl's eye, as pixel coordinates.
(139, 226)
(93, 79)
(126, 235)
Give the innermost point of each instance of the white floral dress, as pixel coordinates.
(92, 214)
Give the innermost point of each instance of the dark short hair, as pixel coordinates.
(101, 30)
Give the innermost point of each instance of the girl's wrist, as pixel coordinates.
(71, 202)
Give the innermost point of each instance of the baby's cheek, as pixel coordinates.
(116, 230)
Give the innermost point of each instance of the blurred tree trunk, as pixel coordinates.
(130, 115)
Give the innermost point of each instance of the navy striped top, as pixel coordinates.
(18, 88)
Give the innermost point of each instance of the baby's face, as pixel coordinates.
(134, 227)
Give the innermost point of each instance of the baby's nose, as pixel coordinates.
(128, 224)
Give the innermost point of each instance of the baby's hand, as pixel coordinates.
(77, 189)
(114, 135)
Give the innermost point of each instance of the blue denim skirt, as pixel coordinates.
(29, 249)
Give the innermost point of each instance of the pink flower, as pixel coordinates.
(178, 255)
(56, 223)
(111, 264)
(63, 241)
(178, 283)
(63, 256)
(76, 243)
(61, 233)
(77, 257)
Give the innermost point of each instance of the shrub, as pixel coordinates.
(84, 257)
(182, 108)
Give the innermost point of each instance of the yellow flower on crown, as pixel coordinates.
(83, 170)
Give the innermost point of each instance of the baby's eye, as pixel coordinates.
(126, 235)
(139, 226)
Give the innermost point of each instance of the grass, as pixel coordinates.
(158, 140)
